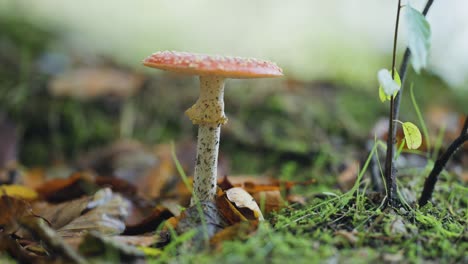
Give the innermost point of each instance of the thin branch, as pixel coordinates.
(439, 165)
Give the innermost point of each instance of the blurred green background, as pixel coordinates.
(311, 39)
(330, 52)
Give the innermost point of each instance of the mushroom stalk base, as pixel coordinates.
(208, 113)
(205, 179)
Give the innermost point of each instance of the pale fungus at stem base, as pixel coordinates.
(208, 111)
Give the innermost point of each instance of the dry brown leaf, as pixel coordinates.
(117, 185)
(59, 190)
(265, 190)
(270, 201)
(254, 184)
(242, 199)
(95, 244)
(153, 183)
(52, 242)
(150, 223)
(59, 215)
(106, 215)
(11, 210)
(14, 249)
(233, 213)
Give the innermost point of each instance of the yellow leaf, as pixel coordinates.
(18, 191)
(397, 78)
(383, 97)
(412, 135)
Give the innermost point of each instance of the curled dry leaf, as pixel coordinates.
(242, 199)
(105, 213)
(265, 190)
(238, 206)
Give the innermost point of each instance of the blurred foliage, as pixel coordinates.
(278, 120)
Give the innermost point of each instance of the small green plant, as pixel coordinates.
(419, 33)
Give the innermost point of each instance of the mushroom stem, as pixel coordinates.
(204, 184)
(208, 113)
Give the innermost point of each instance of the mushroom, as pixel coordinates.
(208, 111)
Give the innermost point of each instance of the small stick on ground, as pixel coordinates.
(439, 165)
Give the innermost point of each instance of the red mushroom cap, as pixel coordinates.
(216, 65)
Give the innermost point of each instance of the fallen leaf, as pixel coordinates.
(265, 190)
(271, 201)
(242, 199)
(14, 249)
(105, 213)
(117, 185)
(18, 191)
(59, 190)
(50, 239)
(11, 210)
(100, 246)
(150, 223)
(59, 215)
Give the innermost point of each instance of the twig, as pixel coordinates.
(389, 167)
(439, 165)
